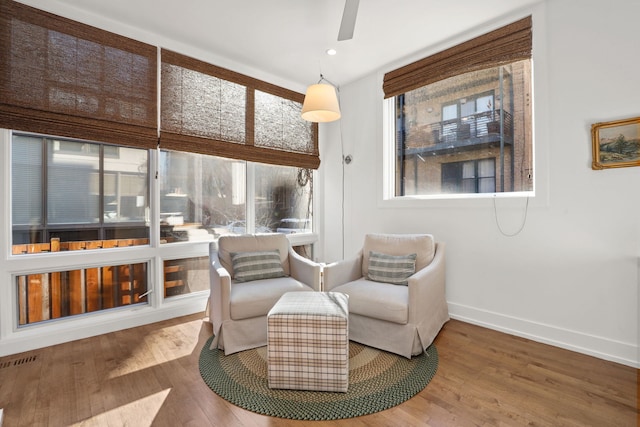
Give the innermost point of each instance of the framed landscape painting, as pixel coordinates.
(616, 144)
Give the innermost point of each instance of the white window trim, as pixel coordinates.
(390, 200)
(14, 339)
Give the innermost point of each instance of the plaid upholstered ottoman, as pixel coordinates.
(308, 342)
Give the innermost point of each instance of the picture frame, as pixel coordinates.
(616, 144)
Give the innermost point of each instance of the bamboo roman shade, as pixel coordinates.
(507, 44)
(61, 77)
(64, 78)
(211, 110)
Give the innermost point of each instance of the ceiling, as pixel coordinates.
(286, 40)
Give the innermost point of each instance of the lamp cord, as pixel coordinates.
(524, 219)
(342, 160)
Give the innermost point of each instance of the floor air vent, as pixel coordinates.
(18, 362)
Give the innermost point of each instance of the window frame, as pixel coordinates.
(55, 124)
(153, 255)
(101, 227)
(387, 196)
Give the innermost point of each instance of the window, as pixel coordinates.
(465, 126)
(77, 191)
(203, 197)
(59, 294)
(234, 158)
(186, 276)
(473, 176)
(283, 199)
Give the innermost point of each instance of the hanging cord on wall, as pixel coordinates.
(524, 219)
(342, 159)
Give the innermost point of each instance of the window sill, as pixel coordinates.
(300, 239)
(450, 200)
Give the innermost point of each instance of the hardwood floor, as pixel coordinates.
(149, 376)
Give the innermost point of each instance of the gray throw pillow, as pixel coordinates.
(394, 269)
(249, 266)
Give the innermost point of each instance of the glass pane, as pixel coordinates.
(186, 276)
(466, 118)
(449, 112)
(486, 168)
(201, 197)
(484, 103)
(487, 185)
(60, 294)
(26, 180)
(283, 201)
(73, 192)
(468, 170)
(96, 195)
(278, 124)
(126, 195)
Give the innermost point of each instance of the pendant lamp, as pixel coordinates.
(321, 102)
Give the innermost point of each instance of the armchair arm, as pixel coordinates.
(427, 287)
(341, 272)
(220, 293)
(304, 270)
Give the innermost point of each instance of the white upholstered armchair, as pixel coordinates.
(247, 279)
(400, 311)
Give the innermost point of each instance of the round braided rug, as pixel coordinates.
(377, 381)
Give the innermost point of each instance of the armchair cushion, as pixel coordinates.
(377, 300)
(421, 244)
(394, 269)
(250, 266)
(256, 298)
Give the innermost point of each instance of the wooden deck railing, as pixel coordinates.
(55, 245)
(58, 294)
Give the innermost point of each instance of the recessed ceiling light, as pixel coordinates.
(331, 52)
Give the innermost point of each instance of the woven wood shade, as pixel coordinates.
(211, 110)
(61, 77)
(507, 44)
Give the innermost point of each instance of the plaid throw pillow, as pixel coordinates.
(249, 266)
(390, 268)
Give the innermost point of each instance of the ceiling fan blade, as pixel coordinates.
(348, 20)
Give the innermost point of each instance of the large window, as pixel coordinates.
(203, 197)
(478, 115)
(464, 125)
(234, 157)
(70, 195)
(77, 191)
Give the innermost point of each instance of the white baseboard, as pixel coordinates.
(1, 416)
(600, 347)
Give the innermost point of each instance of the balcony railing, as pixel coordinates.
(465, 132)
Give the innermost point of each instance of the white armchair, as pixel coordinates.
(402, 319)
(238, 310)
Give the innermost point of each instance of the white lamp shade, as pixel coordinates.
(320, 104)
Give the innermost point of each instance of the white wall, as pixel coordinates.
(570, 278)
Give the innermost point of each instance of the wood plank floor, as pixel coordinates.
(149, 376)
